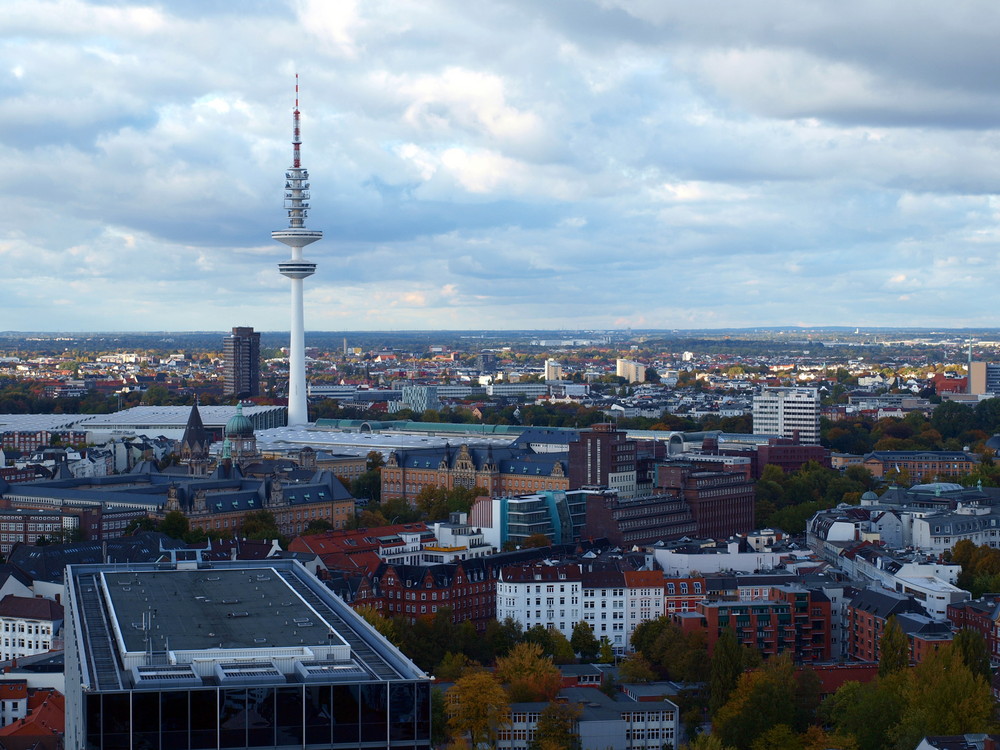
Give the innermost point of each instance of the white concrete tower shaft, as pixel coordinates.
(296, 236)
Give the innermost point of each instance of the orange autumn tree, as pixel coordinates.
(528, 674)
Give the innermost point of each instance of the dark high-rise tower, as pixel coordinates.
(241, 351)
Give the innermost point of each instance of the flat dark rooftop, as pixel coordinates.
(201, 609)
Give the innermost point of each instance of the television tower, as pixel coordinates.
(297, 269)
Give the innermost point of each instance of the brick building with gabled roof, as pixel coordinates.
(867, 614)
(467, 587)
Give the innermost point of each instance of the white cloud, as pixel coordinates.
(509, 165)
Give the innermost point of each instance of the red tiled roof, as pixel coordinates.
(635, 579)
(47, 716)
(12, 690)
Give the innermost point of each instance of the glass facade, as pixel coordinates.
(395, 715)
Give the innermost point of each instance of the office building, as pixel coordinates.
(721, 502)
(603, 457)
(421, 398)
(241, 352)
(984, 378)
(555, 514)
(230, 655)
(787, 412)
(553, 370)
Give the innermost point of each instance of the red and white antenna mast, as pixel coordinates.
(296, 140)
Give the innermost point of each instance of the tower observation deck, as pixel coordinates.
(297, 268)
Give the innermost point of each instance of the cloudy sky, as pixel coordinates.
(501, 164)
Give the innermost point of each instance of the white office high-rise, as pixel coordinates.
(788, 412)
(296, 236)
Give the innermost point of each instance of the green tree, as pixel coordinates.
(562, 649)
(385, 626)
(156, 395)
(175, 524)
(453, 666)
(500, 638)
(780, 737)
(260, 524)
(636, 668)
(584, 642)
(606, 654)
(557, 728)
(941, 696)
(952, 419)
(775, 694)
(439, 718)
(706, 742)
(866, 712)
(974, 652)
(477, 708)
(368, 486)
(893, 649)
(374, 461)
(317, 526)
(541, 636)
(726, 667)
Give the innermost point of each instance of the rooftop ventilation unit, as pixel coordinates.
(248, 673)
(165, 676)
(330, 671)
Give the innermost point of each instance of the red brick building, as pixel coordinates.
(785, 453)
(468, 587)
(721, 502)
(790, 619)
(603, 457)
(920, 465)
(981, 615)
(683, 594)
(639, 521)
(867, 615)
(29, 440)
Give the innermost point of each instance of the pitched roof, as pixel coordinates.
(47, 563)
(46, 718)
(883, 604)
(30, 608)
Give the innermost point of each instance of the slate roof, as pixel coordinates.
(47, 563)
(10, 571)
(883, 604)
(550, 435)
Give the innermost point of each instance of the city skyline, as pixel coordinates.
(518, 166)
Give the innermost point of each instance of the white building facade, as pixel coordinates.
(788, 412)
(28, 625)
(546, 595)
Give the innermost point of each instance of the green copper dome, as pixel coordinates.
(239, 425)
